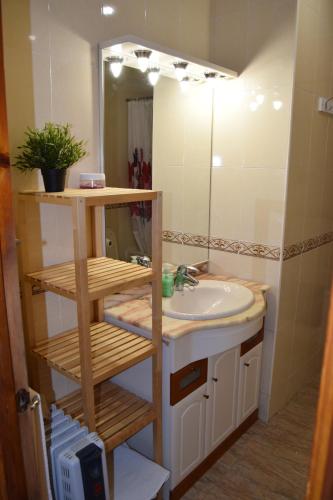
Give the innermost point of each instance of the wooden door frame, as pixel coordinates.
(320, 485)
(18, 469)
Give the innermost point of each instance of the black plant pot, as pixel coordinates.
(54, 179)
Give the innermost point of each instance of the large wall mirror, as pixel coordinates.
(157, 134)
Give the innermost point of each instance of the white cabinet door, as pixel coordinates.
(249, 382)
(188, 434)
(221, 416)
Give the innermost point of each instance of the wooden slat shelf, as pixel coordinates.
(105, 276)
(119, 414)
(92, 197)
(113, 350)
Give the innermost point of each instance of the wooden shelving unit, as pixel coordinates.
(113, 350)
(119, 413)
(96, 351)
(105, 276)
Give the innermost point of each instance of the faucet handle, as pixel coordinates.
(192, 269)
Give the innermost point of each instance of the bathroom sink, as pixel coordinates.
(209, 300)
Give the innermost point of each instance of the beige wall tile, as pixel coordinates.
(196, 194)
(303, 109)
(266, 140)
(262, 205)
(295, 206)
(228, 125)
(197, 103)
(183, 254)
(307, 42)
(226, 202)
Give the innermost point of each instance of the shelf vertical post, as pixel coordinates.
(98, 251)
(157, 323)
(83, 310)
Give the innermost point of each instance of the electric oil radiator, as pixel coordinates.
(76, 460)
(77, 465)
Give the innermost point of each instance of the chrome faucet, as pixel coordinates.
(143, 261)
(183, 277)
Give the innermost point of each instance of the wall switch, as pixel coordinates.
(325, 105)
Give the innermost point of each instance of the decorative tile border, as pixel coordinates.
(194, 240)
(299, 248)
(247, 248)
(223, 245)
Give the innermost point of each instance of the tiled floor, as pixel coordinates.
(269, 462)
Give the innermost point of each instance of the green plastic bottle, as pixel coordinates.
(167, 281)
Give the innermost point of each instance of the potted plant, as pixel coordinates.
(52, 149)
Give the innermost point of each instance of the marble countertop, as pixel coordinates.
(133, 307)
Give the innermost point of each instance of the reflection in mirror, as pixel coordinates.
(158, 137)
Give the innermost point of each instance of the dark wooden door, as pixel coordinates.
(18, 471)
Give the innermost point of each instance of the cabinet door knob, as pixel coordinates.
(206, 396)
(215, 379)
(246, 364)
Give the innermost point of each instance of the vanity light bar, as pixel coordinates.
(179, 68)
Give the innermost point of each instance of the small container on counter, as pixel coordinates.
(92, 181)
(167, 281)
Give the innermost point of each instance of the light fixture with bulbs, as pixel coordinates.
(143, 59)
(180, 70)
(153, 76)
(116, 65)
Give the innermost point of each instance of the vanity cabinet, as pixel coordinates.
(249, 382)
(205, 417)
(221, 408)
(188, 434)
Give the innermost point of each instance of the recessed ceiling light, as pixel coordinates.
(107, 10)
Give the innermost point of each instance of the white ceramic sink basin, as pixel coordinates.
(209, 300)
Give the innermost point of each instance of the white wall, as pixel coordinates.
(251, 141)
(64, 42)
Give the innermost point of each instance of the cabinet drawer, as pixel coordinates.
(252, 342)
(187, 379)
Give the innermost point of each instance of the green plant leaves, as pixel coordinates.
(50, 147)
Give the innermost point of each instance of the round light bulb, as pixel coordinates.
(180, 70)
(184, 84)
(153, 76)
(211, 79)
(143, 59)
(116, 65)
(277, 104)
